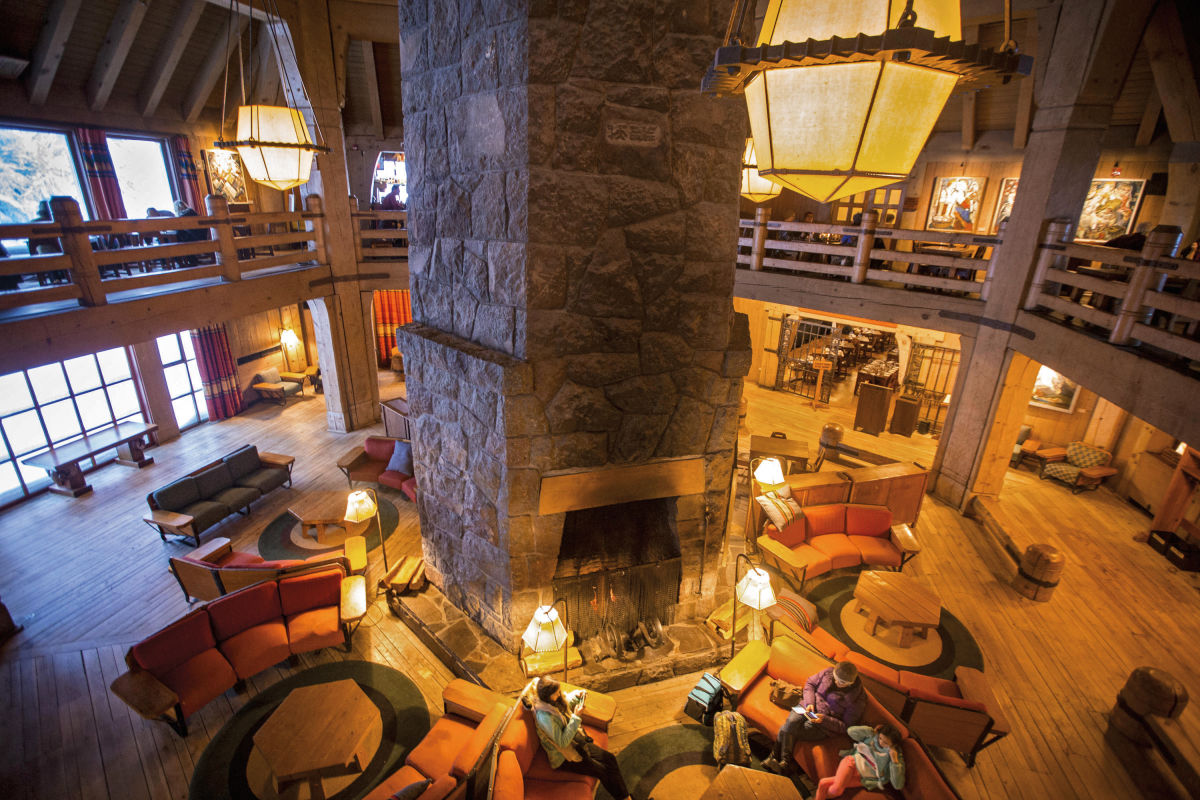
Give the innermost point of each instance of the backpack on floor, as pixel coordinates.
(731, 742)
(705, 700)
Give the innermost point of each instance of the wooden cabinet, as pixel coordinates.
(900, 487)
(1150, 474)
(872, 412)
(904, 416)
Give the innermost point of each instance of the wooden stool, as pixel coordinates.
(1039, 572)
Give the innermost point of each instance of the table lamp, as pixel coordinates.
(754, 590)
(769, 474)
(360, 507)
(547, 633)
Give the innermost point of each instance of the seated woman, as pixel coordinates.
(875, 762)
(567, 747)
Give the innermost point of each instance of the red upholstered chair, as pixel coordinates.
(370, 461)
(249, 625)
(310, 605)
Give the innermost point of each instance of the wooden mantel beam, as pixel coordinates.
(170, 51)
(214, 65)
(52, 43)
(111, 58)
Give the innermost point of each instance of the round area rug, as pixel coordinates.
(673, 762)
(943, 649)
(283, 539)
(230, 768)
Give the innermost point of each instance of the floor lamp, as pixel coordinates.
(547, 633)
(360, 507)
(754, 590)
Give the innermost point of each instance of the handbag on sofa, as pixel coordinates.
(784, 694)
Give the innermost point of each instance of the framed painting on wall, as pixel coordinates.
(1109, 210)
(1053, 391)
(225, 176)
(1004, 202)
(955, 204)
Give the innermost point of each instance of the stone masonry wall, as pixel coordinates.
(573, 224)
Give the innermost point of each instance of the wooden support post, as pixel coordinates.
(1162, 240)
(222, 231)
(762, 215)
(990, 275)
(314, 205)
(1056, 232)
(85, 273)
(866, 237)
(356, 227)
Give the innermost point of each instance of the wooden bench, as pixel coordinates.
(62, 463)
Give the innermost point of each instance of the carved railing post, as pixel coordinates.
(222, 231)
(762, 215)
(85, 273)
(1056, 232)
(866, 237)
(1162, 240)
(314, 205)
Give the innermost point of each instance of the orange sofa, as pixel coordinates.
(747, 679)
(193, 660)
(837, 535)
(215, 569)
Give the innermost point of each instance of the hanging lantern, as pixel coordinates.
(842, 97)
(275, 145)
(755, 187)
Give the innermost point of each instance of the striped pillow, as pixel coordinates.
(780, 510)
(791, 605)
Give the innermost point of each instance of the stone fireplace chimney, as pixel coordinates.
(573, 231)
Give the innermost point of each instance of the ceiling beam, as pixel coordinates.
(266, 69)
(210, 72)
(241, 8)
(1153, 110)
(113, 53)
(970, 36)
(170, 51)
(1174, 74)
(51, 44)
(371, 84)
(1025, 94)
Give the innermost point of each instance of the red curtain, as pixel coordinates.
(187, 178)
(99, 173)
(393, 307)
(218, 371)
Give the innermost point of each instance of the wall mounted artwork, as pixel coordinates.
(955, 204)
(1053, 391)
(225, 176)
(1109, 210)
(1004, 202)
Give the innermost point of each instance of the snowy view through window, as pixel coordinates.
(141, 174)
(34, 166)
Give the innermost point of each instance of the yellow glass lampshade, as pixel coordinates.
(755, 187)
(545, 632)
(769, 474)
(275, 145)
(754, 589)
(832, 130)
(360, 506)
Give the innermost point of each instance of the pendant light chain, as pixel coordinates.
(1010, 44)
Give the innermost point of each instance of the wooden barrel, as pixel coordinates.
(1147, 691)
(1039, 571)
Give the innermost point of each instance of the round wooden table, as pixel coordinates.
(737, 783)
(322, 510)
(894, 598)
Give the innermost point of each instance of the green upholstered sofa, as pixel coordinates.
(202, 498)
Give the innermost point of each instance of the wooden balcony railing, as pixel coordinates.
(959, 263)
(95, 262)
(382, 236)
(1146, 300)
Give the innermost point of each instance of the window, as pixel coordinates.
(389, 171)
(34, 166)
(183, 379)
(57, 403)
(141, 167)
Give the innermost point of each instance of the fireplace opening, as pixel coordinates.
(619, 565)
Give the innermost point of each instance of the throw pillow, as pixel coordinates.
(401, 460)
(780, 510)
(799, 610)
(413, 790)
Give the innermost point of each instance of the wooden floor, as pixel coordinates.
(88, 578)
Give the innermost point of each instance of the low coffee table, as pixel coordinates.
(894, 598)
(322, 510)
(324, 731)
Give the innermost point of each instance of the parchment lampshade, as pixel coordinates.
(754, 589)
(769, 474)
(755, 187)
(834, 129)
(288, 338)
(275, 145)
(360, 506)
(545, 632)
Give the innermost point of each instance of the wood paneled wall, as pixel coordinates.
(1059, 428)
(258, 332)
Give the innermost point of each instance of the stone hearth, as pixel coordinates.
(573, 230)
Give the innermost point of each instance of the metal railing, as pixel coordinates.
(94, 262)
(1137, 299)
(937, 261)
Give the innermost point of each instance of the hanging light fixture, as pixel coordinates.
(843, 96)
(756, 188)
(273, 141)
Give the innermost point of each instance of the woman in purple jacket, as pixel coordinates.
(834, 699)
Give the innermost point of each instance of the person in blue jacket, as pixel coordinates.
(875, 762)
